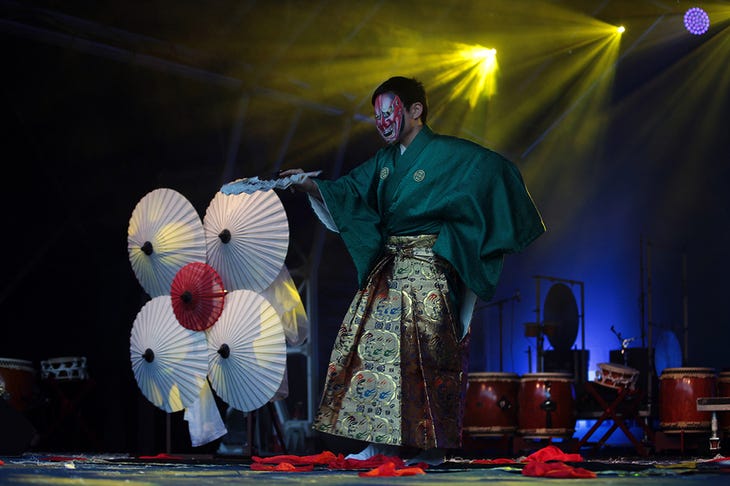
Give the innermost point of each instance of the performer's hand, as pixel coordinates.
(307, 185)
(289, 172)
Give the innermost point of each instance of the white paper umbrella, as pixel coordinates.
(170, 362)
(246, 351)
(284, 297)
(165, 234)
(247, 238)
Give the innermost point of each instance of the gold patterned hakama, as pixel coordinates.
(397, 373)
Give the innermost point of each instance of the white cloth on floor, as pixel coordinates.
(204, 420)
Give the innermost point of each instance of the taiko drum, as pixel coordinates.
(17, 382)
(491, 404)
(546, 405)
(723, 390)
(679, 389)
(616, 376)
(65, 368)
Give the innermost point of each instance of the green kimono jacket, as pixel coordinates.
(472, 197)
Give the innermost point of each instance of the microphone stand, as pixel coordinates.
(501, 303)
(624, 345)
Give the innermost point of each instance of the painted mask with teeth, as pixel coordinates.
(389, 116)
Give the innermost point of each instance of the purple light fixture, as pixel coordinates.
(696, 21)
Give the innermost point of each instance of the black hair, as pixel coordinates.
(409, 90)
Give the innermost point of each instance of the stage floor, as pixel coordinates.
(111, 469)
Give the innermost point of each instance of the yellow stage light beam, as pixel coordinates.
(698, 79)
(542, 66)
(668, 104)
(468, 72)
(552, 82)
(513, 68)
(595, 74)
(482, 73)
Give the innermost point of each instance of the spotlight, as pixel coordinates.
(620, 29)
(479, 66)
(485, 56)
(696, 21)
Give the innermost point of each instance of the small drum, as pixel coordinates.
(491, 404)
(679, 389)
(17, 382)
(66, 368)
(616, 376)
(546, 405)
(723, 390)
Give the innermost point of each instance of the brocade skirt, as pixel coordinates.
(398, 369)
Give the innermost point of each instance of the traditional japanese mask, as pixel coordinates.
(389, 116)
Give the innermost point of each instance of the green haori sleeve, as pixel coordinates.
(493, 214)
(351, 200)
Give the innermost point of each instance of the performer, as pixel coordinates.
(427, 222)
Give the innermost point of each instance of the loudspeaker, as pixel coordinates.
(637, 358)
(17, 434)
(573, 361)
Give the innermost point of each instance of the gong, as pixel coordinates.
(560, 317)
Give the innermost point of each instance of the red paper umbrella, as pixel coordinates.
(197, 295)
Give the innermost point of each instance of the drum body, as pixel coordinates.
(65, 368)
(491, 404)
(679, 389)
(616, 376)
(723, 390)
(17, 382)
(546, 405)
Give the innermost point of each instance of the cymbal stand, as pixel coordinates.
(540, 333)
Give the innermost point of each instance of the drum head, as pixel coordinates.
(618, 368)
(560, 317)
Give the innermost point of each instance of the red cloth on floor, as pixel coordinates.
(555, 470)
(281, 467)
(383, 465)
(325, 457)
(548, 463)
(494, 461)
(389, 469)
(161, 455)
(377, 460)
(552, 453)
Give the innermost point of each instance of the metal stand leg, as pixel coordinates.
(251, 424)
(714, 439)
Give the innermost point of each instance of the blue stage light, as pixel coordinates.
(696, 21)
